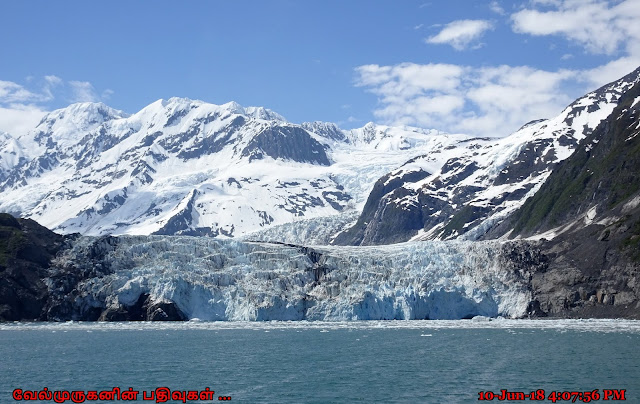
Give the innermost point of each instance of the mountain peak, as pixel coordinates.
(234, 107)
(253, 112)
(86, 110)
(65, 124)
(264, 113)
(178, 106)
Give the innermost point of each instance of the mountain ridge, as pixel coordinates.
(182, 166)
(477, 190)
(113, 173)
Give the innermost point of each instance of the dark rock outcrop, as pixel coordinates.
(288, 143)
(382, 221)
(34, 287)
(145, 309)
(585, 278)
(65, 302)
(26, 249)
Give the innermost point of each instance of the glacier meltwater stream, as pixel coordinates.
(213, 279)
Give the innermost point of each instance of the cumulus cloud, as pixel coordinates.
(19, 109)
(460, 34)
(496, 100)
(601, 26)
(611, 71)
(487, 101)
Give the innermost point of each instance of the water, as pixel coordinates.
(395, 361)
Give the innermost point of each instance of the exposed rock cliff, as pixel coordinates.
(26, 249)
(589, 209)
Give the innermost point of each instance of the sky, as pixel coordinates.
(476, 67)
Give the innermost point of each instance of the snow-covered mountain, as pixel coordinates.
(180, 166)
(568, 184)
(11, 154)
(482, 185)
(187, 167)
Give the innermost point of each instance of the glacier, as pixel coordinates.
(314, 231)
(225, 279)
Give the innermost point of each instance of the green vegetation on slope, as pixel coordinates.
(603, 170)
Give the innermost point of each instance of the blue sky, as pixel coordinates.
(480, 67)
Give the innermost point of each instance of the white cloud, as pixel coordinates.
(106, 94)
(460, 34)
(11, 92)
(18, 119)
(409, 78)
(83, 91)
(611, 71)
(22, 107)
(547, 2)
(53, 80)
(496, 100)
(488, 101)
(601, 26)
(496, 8)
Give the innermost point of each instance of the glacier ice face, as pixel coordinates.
(314, 231)
(221, 279)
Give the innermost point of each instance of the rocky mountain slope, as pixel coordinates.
(26, 250)
(588, 214)
(480, 187)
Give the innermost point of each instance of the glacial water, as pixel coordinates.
(325, 362)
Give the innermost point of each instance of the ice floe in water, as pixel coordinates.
(428, 327)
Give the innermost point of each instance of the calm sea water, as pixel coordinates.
(377, 362)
